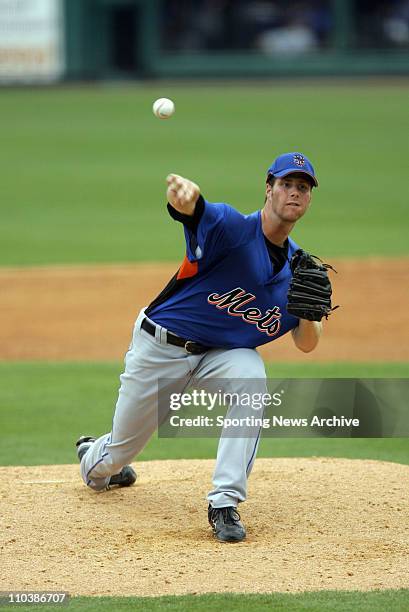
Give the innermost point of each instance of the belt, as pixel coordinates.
(189, 345)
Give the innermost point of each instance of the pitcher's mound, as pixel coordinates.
(312, 524)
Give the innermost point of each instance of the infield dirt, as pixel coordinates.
(87, 312)
(312, 524)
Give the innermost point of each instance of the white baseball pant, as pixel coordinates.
(136, 415)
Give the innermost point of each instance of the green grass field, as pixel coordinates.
(83, 170)
(46, 407)
(323, 601)
(83, 180)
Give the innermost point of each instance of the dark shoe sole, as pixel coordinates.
(82, 444)
(230, 537)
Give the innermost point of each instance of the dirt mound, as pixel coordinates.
(312, 524)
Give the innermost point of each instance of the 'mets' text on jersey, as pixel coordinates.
(233, 300)
(226, 293)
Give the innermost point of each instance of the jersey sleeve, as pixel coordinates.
(220, 229)
(189, 221)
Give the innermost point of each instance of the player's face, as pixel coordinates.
(289, 198)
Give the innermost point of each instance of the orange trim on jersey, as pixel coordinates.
(187, 269)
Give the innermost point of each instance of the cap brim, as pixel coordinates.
(287, 172)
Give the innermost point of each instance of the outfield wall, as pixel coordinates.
(95, 47)
(54, 40)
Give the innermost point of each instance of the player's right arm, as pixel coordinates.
(211, 229)
(182, 194)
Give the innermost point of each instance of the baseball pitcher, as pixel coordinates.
(243, 282)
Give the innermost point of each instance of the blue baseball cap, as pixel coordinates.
(288, 163)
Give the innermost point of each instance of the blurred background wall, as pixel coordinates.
(57, 40)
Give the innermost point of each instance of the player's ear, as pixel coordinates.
(267, 191)
(269, 182)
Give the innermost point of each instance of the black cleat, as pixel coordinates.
(226, 524)
(125, 478)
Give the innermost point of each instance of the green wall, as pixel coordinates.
(88, 40)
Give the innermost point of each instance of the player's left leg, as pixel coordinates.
(241, 372)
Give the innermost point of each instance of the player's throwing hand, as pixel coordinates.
(182, 194)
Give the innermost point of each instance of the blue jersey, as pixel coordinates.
(231, 297)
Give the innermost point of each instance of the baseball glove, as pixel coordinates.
(309, 294)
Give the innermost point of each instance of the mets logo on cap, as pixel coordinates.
(299, 160)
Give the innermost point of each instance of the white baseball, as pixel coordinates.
(163, 108)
